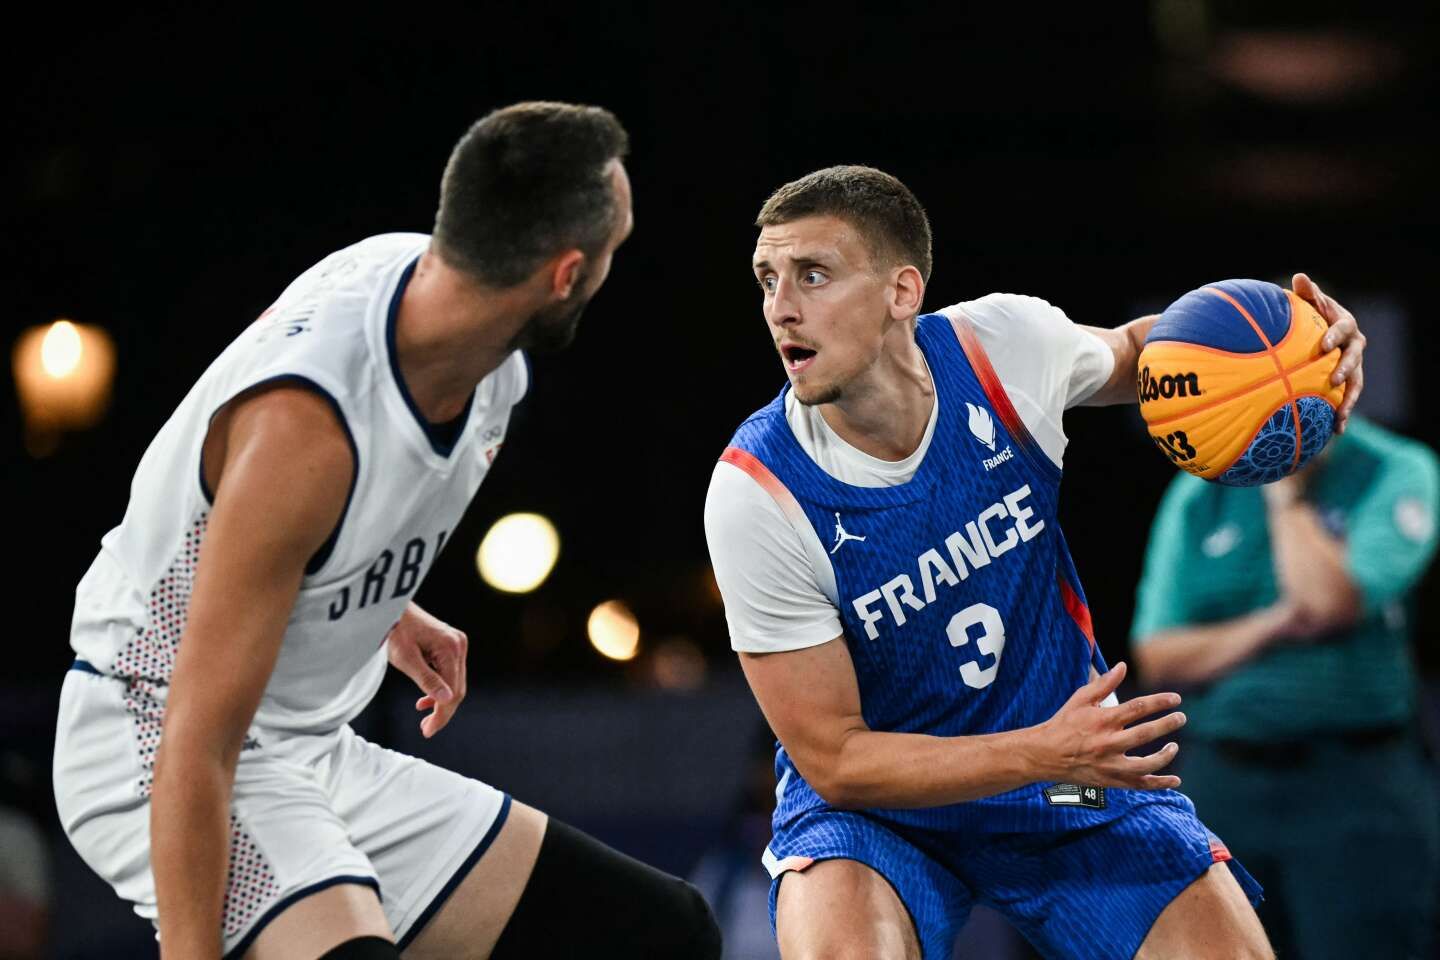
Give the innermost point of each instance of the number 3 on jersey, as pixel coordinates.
(990, 641)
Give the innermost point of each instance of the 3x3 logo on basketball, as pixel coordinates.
(1175, 445)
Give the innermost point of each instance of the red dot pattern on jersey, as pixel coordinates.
(148, 660)
(250, 883)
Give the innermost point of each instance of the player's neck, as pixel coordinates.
(885, 411)
(451, 333)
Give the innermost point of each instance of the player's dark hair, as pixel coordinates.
(526, 182)
(890, 220)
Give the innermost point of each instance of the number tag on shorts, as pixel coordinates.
(1073, 795)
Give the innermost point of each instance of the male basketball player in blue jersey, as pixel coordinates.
(246, 607)
(896, 583)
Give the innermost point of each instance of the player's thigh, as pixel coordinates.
(472, 917)
(838, 909)
(424, 828)
(1211, 918)
(286, 843)
(316, 924)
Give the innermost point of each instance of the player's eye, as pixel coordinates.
(767, 283)
(814, 278)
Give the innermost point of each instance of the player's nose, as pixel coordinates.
(783, 307)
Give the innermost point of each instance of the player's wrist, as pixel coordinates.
(1037, 760)
(1276, 622)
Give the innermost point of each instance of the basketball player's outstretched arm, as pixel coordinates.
(812, 701)
(1127, 341)
(280, 468)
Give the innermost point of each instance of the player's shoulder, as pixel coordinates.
(1008, 311)
(738, 481)
(732, 492)
(317, 317)
(1003, 321)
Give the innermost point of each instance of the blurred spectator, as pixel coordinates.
(729, 874)
(25, 876)
(1288, 608)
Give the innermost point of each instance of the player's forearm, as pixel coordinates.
(908, 770)
(189, 851)
(1125, 343)
(1198, 654)
(1310, 565)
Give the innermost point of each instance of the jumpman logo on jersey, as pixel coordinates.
(841, 536)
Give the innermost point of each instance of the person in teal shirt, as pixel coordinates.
(1286, 612)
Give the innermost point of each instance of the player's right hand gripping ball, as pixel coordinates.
(1233, 384)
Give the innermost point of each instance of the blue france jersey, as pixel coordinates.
(961, 606)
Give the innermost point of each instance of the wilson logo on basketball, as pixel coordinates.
(1167, 386)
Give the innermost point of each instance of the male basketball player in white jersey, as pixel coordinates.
(246, 607)
(886, 539)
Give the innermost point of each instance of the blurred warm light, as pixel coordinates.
(61, 349)
(710, 588)
(1305, 66)
(63, 375)
(676, 663)
(1299, 176)
(518, 552)
(614, 631)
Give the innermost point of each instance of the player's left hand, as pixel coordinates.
(432, 653)
(1345, 333)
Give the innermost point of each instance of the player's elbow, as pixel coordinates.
(839, 780)
(1331, 612)
(838, 793)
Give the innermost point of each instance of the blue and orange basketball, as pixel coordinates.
(1233, 384)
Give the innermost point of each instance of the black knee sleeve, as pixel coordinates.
(364, 948)
(585, 899)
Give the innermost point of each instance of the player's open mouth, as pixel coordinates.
(797, 358)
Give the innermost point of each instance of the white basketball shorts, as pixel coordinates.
(307, 812)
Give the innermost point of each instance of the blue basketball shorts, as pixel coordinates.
(1092, 892)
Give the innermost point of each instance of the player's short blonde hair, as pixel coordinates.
(884, 211)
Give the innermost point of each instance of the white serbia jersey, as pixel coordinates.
(333, 330)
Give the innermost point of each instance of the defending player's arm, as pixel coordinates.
(811, 699)
(1127, 341)
(281, 468)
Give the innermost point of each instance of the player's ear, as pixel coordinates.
(565, 272)
(907, 292)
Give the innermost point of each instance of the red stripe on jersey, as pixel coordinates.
(1077, 609)
(1219, 853)
(798, 864)
(769, 483)
(994, 389)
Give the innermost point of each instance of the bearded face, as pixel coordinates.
(552, 328)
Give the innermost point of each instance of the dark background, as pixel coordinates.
(168, 174)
